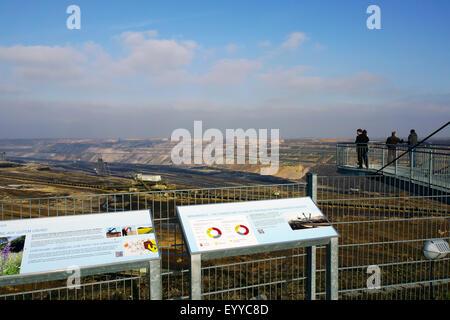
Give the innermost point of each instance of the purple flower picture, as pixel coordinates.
(11, 251)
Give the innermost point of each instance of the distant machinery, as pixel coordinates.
(102, 168)
(3, 156)
(150, 182)
(147, 178)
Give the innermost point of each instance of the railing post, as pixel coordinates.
(430, 166)
(338, 162)
(411, 161)
(383, 156)
(345, 161)
(396, 161)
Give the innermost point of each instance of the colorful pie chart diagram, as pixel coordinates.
(241, 229)
(214, 233)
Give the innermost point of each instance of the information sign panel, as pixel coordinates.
(235, 225)
(31, 246)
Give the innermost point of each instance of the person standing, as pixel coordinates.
(359, 147)
(365, 148)
(412, 142)
(391, 143)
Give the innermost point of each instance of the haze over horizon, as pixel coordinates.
(143, 69)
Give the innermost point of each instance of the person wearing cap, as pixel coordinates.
(412, 142)
(392, 149)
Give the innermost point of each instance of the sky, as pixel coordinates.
(141, 69)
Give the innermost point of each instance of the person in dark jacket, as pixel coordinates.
(412, 142)
(361, 148)
(391, 142)
(365, 148)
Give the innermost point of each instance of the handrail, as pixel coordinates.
(400, 147)
(414, 146)
(436, 157)
(380, 144)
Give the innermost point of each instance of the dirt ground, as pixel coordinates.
(35, 181)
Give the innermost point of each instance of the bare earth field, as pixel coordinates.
(61, 167)
(74, 161)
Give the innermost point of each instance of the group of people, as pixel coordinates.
(362, 146)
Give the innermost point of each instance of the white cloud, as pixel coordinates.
(148, 55)
(232, 48)
(91, 66)
(34, 118)
(160, 71)
(230, 72)
(130, 38)
(42, 55)
(223, 73)
(294, 40)
(294, 80)
(43, 63)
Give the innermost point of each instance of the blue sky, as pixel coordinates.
(145, 68)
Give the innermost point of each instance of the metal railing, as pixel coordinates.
(427, 165)
(379, 221)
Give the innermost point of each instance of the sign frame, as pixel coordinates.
(152, 266)
(330, 242)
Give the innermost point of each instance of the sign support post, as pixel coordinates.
(311, 273)
(196, 276)
(154, 272)
(311, 191)
(225, 230)
(332, 269)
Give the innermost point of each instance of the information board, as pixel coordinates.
(56, 243)
(224, 226)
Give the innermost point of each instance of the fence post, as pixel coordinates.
(311, 186)
(196, 276)
(311, 273)
(311, 191)
(332, 270)
(154, 273)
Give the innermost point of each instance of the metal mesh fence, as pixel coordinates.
(274, 275)
(381, 222)
(129, 285)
